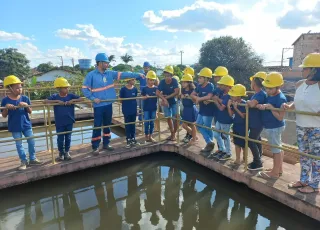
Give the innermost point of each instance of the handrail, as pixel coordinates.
(178, 119)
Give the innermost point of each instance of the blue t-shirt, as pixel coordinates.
(142, 80)
(168, 89)
(270, 121)
(237, 118)
(187, 102)
(129, 107)
(149, 104)
(63, 114)
(202, 91)
(223, 116)
(18, 119)
(255, 115)
(218, 92)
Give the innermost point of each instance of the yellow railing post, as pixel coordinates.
(142, 116)
(46, 126)
(178, 122)
(158, 120)
(246, 139)
(81, 134)
(50, 134)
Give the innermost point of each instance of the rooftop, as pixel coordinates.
(305, 34)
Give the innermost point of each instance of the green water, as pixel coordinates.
(155, 192)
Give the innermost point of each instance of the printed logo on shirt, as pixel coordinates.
(171, 87)
(104, 79)
(133, 94)
(204, 92)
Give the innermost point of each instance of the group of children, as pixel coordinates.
(220, 104)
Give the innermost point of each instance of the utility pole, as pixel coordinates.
(61, 60)
(283, 49)
(181, 52)
(72, 60)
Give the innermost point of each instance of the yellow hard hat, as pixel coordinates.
(189, 70)
(11, 80)
(61, 82)
(273, 80)
(168, 69)
(151, 75)
(311, 61)
(220, 71)
(226, 80)
(187, 77)
(260, 74)
(177, 78)
(205, 72)
(238, 90)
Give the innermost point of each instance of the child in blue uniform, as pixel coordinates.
(273, 121)
(239, 121)
(149, 105)
(190, 111)
(224, 121)
(129, 110)
(18, 119)
(63, 115)
(255, 119)
(206, 112)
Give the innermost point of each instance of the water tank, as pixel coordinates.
(84, 63)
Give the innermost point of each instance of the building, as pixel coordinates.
(51, 75)
(305, 44)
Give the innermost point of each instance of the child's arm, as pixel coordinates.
(47, 101)
(277, 114)
(219, 105)
(241, 114)
(229, 108)
(208, 97)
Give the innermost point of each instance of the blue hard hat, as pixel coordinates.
(102, 57)
(146, 64)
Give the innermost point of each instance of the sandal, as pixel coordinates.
(297, 184)
(264, 175)
(304, 190)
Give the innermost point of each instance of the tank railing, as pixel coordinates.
(178, 119)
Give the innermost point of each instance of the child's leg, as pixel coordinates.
(68, 138)
(146, 123)
(19, 146)
(187, 128)
(157, 123)
(60, 139)
(274, 138)
(194, 133)
(218, 137)
(207, 120)
(152, 116)
(127, 127)
(31, 144)
(133, 126)
(227, 141)
(238, 153)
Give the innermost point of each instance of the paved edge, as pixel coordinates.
(88, 161)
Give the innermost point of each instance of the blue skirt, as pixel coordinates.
(190, 114)
(239, 129)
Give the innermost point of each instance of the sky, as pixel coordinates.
(154, 31)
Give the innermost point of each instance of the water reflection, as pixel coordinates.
(143, 195)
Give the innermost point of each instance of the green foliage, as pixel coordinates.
(127, 58)
(233, 53)
(122, 68)
(13, 62)
(45, 67)
(177, 71)
(138, 68)
(111, 58)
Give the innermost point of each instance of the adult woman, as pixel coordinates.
(307, 98)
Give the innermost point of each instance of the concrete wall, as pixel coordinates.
(52, 75)
(307, 43)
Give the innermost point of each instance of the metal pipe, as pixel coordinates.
(46, 126)
(246, 140)
(50, 134)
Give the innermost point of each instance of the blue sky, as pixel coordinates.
(151, 30)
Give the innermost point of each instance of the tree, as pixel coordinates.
(45, 67)
(177, 71)
(126, 58)
(13, 62)
(112, 58)
(122, 68)
(233, 53)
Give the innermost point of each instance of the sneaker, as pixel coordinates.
(205, 149)
(128, 146)
(23, 166)
(95, 152)
(211, 146)
(67, 156)
(35, 162)
(186, 138)
(253, 166)
(214, 154)
(108, 147)
(218, 155)
(61, 157)
(225, 157)
(134, 142)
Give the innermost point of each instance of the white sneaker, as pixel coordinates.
(23, 166)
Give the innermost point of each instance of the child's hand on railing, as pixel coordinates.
(286, 106)
(261, 106)
(23, 104)
(10, 106)
(206, 102)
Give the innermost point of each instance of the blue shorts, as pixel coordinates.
(274, 138)
(170, 111)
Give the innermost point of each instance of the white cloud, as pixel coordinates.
(197, 17)
(5, 36)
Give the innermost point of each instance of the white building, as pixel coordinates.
(53, 74)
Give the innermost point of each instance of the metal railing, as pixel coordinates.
(49, 134)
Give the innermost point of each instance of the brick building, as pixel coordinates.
(305, 44)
